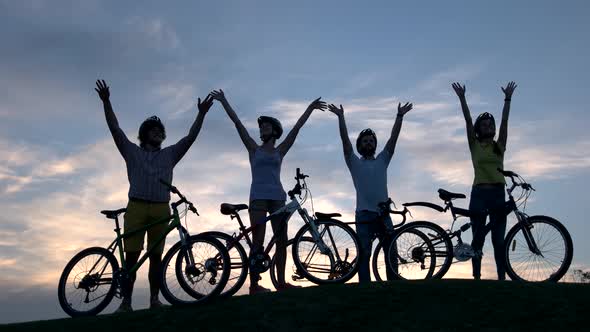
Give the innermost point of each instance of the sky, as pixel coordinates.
(59, 166)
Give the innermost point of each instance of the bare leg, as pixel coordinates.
(258, 233)
(279, 228)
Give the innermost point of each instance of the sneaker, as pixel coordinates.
(156, 304)
(255, 289)
(286, 286)
(123, 308)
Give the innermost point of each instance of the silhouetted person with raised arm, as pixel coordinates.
(266, 191)
(369, 175)
(487, 193)
(148, 198)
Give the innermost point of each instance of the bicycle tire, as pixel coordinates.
(87, 280)
(336, 270)
(415, 261)
(443, 246)
(290, 265)
(516, 271)
(239, 263)
(208, 264)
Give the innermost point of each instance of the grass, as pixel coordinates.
(433, 305)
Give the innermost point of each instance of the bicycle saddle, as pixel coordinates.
(229, 209)
(447, 195)
(113, 214)
(320, 215)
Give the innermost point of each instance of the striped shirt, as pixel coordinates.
(145, 168)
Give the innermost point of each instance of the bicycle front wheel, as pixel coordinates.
(411, 255)
(195, 272)
(292, 273)
(87, 285)
(554, 255)
(332, 257)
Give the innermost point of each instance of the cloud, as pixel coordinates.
(156, 32)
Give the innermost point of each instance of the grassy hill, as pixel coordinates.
(436, 305)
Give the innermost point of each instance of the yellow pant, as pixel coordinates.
(141, 214)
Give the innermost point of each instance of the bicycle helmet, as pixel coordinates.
(147, 125)
(364, 133)
(276, 125)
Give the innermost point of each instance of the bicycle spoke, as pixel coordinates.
(533, 267)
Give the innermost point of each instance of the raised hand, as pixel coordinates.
(338, 111)
(509, 89)
(218, 95)
(317, 105)
(205, 105)
(103, 90)
(402, 110)
(459, 90)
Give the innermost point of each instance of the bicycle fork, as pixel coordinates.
(194, 271)
(526, 231)
(315, 234)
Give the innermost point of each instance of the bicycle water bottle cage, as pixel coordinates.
(463, 252)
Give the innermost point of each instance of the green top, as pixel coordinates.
(486, 163)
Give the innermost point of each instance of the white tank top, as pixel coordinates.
(266, 175)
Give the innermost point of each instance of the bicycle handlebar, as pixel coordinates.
(385, 208)
(183, 199)
(297, 189)
(515, 183)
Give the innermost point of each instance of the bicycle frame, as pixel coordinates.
(117, 243)
(456, 212)
(287, 212)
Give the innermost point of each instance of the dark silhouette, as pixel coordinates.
(487, 155)
(266, 192)
(148, 198)
(369, 175)
(537, 248)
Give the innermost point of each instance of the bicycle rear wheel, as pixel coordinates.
(552, 260)
(87, 285)
(195, 272)
(411, 255)
(441, 242)
(335, 260)
(239, 263)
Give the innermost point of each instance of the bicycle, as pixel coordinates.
(412, 261)
(332, 244)
(537, 248)
(198, 263)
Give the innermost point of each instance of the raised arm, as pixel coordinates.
(290, 139)
(203, 107)
(460, 91)
(346, 145)
(185, 143)
(397, 127)
(103, 92)
(503, 134)
(119, 136)
(246, 139)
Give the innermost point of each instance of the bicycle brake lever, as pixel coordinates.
(193, 209)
